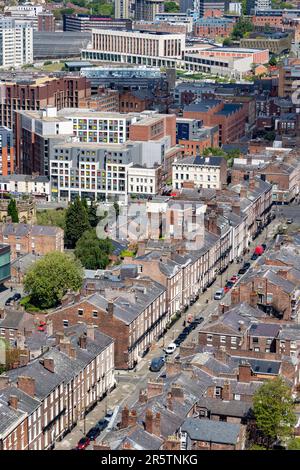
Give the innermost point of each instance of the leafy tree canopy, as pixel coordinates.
(77, 222)
(12, 211)
(51, 277)
(171, 7)
(274, 409)
(92, 251)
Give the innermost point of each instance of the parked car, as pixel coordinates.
(264, 246)
(198, 320)
(289, 221)
(234, 279)
(247, 265)
(9, 301)
(156, 364)
(102, 424)
(170, 348)
(229, 284)
(226, 289)
(219, 294)
(93, 433)
(108, 414)
(254, 256)
(16, 296)
(83, 443)
(244, 268)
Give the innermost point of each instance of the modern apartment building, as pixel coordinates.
(35, 132)
(140, 48)
(16, 42)
(37, 93)
(7, 152)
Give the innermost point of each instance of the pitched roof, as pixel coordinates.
(211, 431)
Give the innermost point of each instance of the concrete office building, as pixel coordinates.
(85, 23)
(16, 42)
(135, 47)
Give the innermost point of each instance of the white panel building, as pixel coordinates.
(16, 42)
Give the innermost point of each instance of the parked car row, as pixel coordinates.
(94, 432)
(13, 298)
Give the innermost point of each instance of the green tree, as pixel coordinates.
(117, 209)
(294, 444)
(92, 215)
(242, 26)
(12, 211)
(274, 410)
(51, 277)
(227, 42)
(77, 222)
(92, 251)
(273, 61)
(56, 217)
(171, 7)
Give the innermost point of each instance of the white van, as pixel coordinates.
(170, 349)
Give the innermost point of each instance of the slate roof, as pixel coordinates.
(64, 367)
(16, 319)
(140, 439)
(269, 330)
(201, 161)
(234, 408)
(8, 418)
(259, 366)
(211, 431)
(26, 403)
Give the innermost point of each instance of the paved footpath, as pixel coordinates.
(129, 383)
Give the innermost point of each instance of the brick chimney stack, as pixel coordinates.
(110, 308)
(149, 421)
(90, 332)
(156, 424)
(13, 402)
(177, 392)
(27, 385)
(172, 443)
(48, 364)
(58, 337)
(83, 341)
(155, 388)
(125, 417)
(226, 392)
(244, 372)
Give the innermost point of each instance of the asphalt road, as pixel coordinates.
(129, 383)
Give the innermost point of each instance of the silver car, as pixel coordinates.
(219, 294)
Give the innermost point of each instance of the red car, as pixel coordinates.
(234, 279)
(226, 289)
(83, 443)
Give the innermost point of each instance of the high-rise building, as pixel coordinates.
(16, 42)
(147, 9)
(253, 6)
(122, 9)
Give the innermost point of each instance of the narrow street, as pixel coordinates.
(129, 383)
